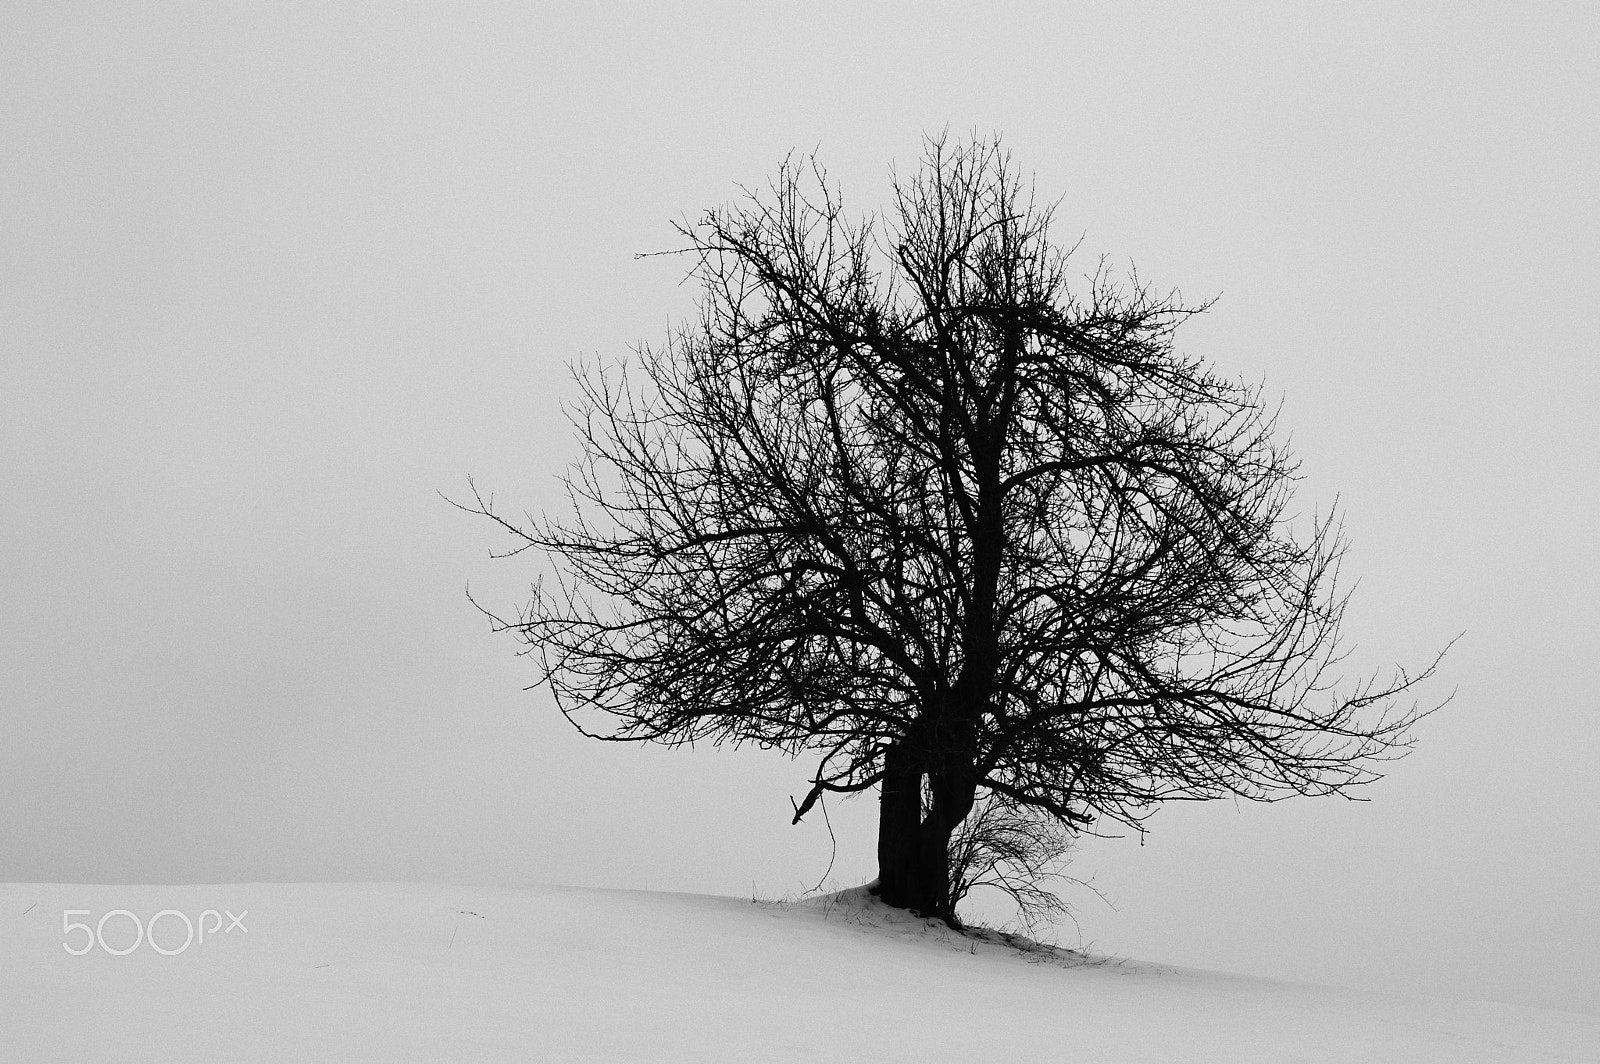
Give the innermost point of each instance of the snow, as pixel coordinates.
(406, 972)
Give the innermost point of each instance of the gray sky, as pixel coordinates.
(271, 277)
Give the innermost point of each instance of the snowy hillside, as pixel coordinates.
(385, 972)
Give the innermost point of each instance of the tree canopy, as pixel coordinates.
(914, 498)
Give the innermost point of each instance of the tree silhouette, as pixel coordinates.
(906, 499)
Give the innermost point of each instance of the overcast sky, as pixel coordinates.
(273, 276)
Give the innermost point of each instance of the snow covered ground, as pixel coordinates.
(391, 972)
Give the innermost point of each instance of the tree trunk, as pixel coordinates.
(913, 849)
(899, 831)
(933, 873)
(953, 794)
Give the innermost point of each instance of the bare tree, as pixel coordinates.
(907, 498)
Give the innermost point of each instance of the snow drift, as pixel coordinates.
(389, 972)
